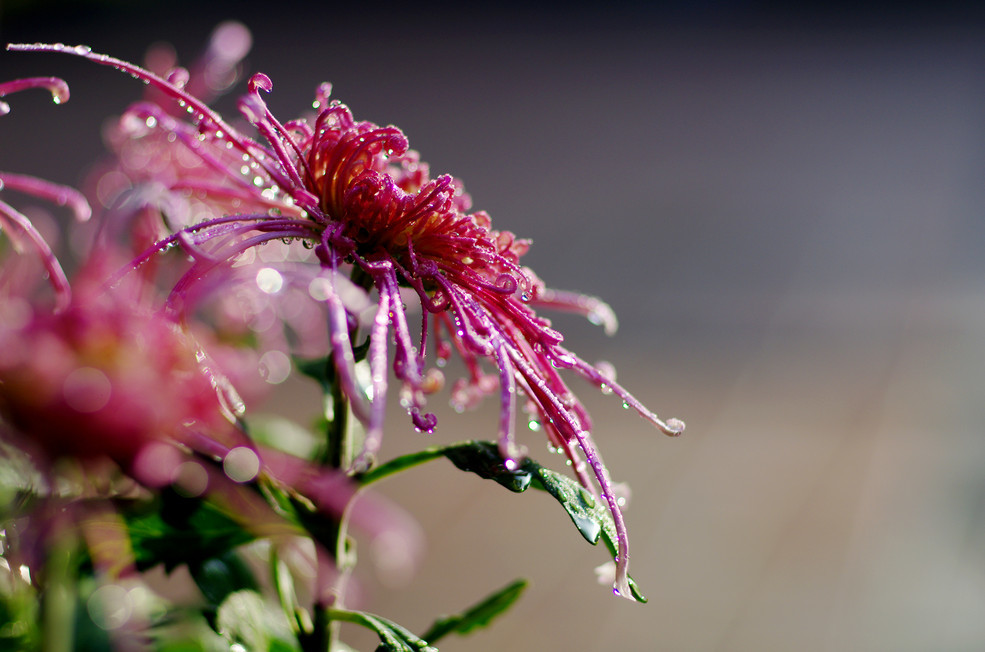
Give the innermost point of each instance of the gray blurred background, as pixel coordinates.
(785, 209)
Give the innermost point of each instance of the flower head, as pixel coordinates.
(358, 196)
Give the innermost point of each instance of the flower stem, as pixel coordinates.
(58, 601)
(339, 455)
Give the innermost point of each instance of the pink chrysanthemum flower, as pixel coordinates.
(357, 194)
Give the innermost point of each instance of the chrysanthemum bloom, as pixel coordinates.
(357, 194)
(103, 378)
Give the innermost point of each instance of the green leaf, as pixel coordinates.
(483, 459)
(318, 368)
(323, 369)
(393, 637)
(175, 530)
(219, 577)
(245, 618)
(478, 615)
(590, 516)
(20, 617)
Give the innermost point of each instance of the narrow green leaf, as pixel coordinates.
(393, 637)
(398, 464)
(478, 615)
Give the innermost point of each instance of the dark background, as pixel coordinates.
(785, 208)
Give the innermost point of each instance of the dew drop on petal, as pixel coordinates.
(534, 425)
(675, 426)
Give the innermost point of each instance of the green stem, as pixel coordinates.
(58, 601)
(339, 455)
(338, 451)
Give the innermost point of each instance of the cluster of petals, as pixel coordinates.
(362, 201)
(98, 372)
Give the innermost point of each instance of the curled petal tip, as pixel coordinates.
(260, 81)
(622, 590)
(57, 87)
(674, 427)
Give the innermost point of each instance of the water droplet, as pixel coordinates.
(190, 479)
(274, 367)
(625, 405)
(241, 464)
(87, 390)
(534, 425)
(676, 426)
(269, 280)
(110, 607)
